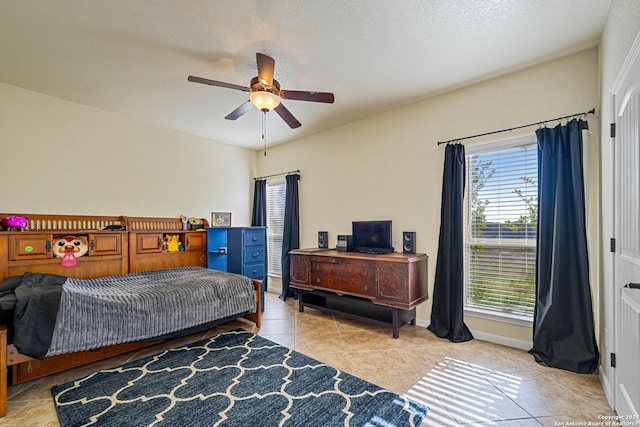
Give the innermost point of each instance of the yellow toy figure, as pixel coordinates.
(173, 242)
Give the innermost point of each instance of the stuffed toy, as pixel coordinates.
(173, 242)
(69, 248)
(15, 223)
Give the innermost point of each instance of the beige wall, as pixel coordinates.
(390, 167)
(63, 157)
(623, 26)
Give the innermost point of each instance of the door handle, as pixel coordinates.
(632, 285)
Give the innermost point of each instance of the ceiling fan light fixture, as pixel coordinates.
(264, 101)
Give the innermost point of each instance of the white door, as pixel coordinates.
(626, 92)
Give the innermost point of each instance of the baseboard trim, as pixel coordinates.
(498, 339)
(492, 338)
(606, 386)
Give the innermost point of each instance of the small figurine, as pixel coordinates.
(184, 220)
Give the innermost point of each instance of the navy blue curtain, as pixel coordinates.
(291, 234)
(563, 332)
(259, 215)
(447, 310)
(259, 218)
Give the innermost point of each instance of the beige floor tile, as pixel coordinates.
(287, 340)
(468, 396)
(318, 341)
(366, 340)
(339, 360)
(389, 362)
(437, 416)
(278, 326)
(540, 394)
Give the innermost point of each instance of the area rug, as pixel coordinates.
(233, 379)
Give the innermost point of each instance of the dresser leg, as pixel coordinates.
(300, 298)
(396, 322)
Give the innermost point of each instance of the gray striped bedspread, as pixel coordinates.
(111, 310)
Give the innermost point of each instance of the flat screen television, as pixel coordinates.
(372, 236)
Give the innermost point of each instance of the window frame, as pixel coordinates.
(488, 313)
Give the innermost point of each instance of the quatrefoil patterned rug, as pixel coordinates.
(233, 379)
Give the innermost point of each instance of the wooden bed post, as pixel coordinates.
(255, 317)
(3, 370)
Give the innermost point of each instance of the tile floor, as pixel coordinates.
(468, 384)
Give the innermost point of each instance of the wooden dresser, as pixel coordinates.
(383, 288)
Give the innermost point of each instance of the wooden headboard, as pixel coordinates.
(31, 250)
(138, 247)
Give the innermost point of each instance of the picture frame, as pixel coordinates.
(220, 219)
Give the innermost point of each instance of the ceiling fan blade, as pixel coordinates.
(239, 111)
(266, 64)
(287, 116)
(299, 95)
(217, 83)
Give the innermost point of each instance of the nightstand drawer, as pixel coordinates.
(253, 238)
(251, 255)
(253, 271)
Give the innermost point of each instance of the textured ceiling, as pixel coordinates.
(133, 57)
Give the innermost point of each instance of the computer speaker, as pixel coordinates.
(344, 243)
(323, 239)
(408, 242)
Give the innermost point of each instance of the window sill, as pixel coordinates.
(513, 319)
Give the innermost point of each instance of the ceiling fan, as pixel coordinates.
(265, 93)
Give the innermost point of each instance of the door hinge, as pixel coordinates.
(612, 244)
(613, 360)
(612, 130)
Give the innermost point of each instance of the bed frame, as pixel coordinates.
(111, 252)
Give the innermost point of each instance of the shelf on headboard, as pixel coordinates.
(57, 222)
(155, 223)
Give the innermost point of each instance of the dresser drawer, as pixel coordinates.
(340, 274)
(253, 271)
(251, 255)
(253, 238)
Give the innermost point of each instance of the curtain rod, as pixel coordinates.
(592, 111)
(277, 174)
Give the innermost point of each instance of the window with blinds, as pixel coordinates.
(276, 190)
(501, 207)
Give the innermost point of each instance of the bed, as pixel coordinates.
(126, 292)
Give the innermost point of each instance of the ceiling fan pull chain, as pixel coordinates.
(264, 131)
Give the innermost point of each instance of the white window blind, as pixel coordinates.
(501, 206)
(276, 191)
